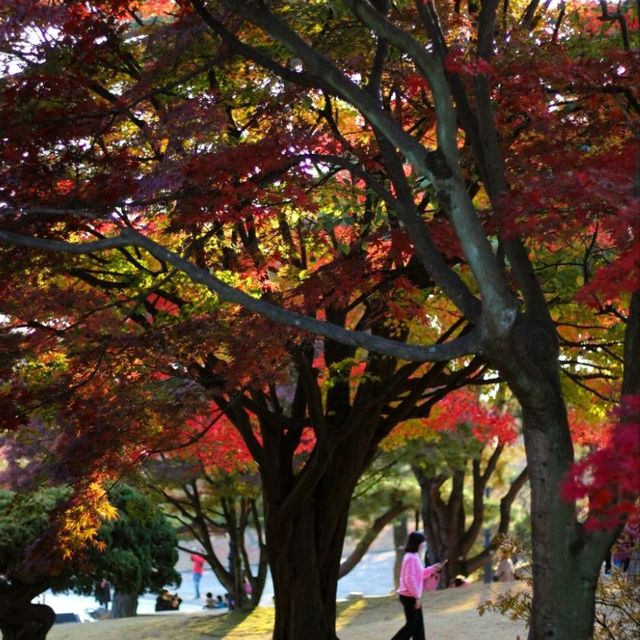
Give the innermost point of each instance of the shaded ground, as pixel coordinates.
(449, 615)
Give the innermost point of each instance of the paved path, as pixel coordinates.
(372, 576)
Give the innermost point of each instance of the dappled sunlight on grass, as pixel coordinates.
(349, 611)
(449, 615)
(256, 625)
(260, 621)
(467, 598)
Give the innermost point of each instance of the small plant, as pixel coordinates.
(617, 607)
(617, 614)
(515, 604)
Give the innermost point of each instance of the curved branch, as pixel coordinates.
(369, 537)
(440, 166)
(465, 345)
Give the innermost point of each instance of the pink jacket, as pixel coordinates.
(411, 576)
(431, 578)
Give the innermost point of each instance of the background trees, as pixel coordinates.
(24, 520)
(455, 456)
(304, 161)
(211, 490)
(136, 553)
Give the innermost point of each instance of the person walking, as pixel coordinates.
(103, 593)
(198, 562)
(412, 578)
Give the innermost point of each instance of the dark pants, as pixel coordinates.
(414, 626)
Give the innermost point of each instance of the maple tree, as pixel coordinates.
(305, 161)
(460, 436)
(212, 487)
(136, 554)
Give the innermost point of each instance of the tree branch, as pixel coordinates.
(464, 345)
(369, 537)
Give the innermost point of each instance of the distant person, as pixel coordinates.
(220, 603)
(505, 571)
(103, 593)
(209, 601)
(412, 579)
(459, 581)
(247, 588)
(168, 601)
(197, 567)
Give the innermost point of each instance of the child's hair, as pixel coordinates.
(414, 541)
(209, 594)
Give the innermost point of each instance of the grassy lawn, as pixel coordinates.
(449, 615)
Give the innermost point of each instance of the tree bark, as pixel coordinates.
(20, 619)
(125, 605)
(304, 585)
(305, 546)
(566, 558)
(565, 570)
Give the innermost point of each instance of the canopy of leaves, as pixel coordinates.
(188, 131)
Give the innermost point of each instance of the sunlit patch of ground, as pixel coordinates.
(449, 615)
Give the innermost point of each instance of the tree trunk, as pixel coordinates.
(125, 605)
(565, 567)
(26, 622)
(566, 558)
(435, 515)
(305, 558)
(305, 546)
(447, 535)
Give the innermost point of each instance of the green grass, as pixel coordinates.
(449, 615)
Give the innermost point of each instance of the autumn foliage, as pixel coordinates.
(609, 477)
(268, 233)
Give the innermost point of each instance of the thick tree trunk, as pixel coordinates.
(304, 555)
(125, 605)
(20, 619)
(565, 568)
(566, 558)
(305, 546)
(26, 622)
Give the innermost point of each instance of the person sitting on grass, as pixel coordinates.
(167, 601)
(459, 581)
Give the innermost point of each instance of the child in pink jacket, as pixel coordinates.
(413, 576)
